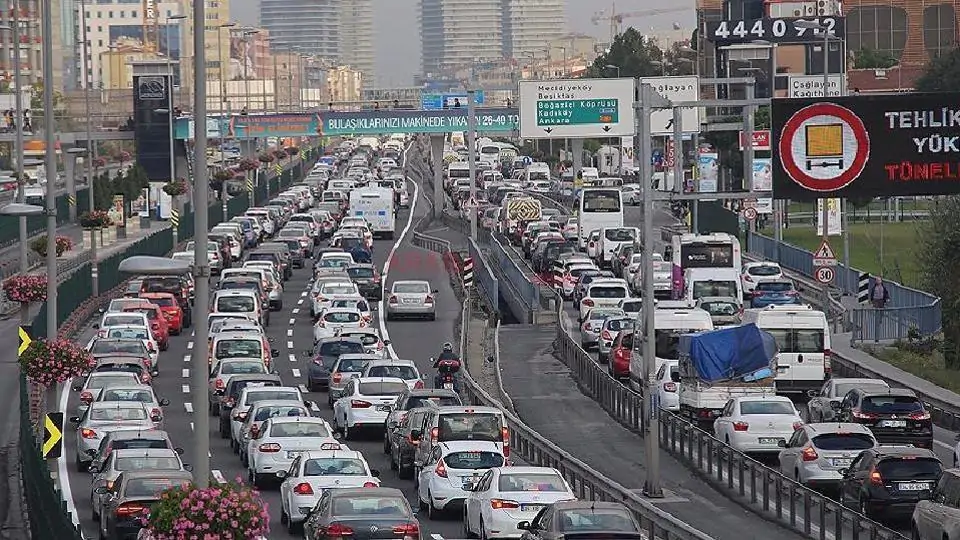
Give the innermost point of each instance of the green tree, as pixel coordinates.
(873, 59)
(36, 97)
(635, 55)
(942, 75)
(938, 254)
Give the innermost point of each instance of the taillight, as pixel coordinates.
(922, 415)
(434, 434)
(86, 397)
(747, 278)
(428, 300)
(797, 425)
(505, 436)
(875, 478)
(500, 504)
(864, 416)
(418, 385)
(371, 485)
(109, 484)
(254, 431)
(408, 530)
(827, 358)
(240, 416)
(359, 404)
(269, 447)
(670, 387)
(363, 323)
(441, 469)
(392, 300)
(337, 377)
(87, 433)
(303, 488)
(591, 244)
(230, 402)
(588, 302)
(809, 454)
(606, 336)
(129, 509)
(219, 384)
(338, 529)
(585, 327)
(741, 426)
(156, 415)
(151, 347)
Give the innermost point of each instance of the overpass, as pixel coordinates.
(75, 136)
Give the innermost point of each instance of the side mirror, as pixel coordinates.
(275, 353)
(782, 443)
(844, 472)
(386, 341)
(95, 325)
(813, 393)
(281, 474)
(375, 473)
(101, 310)
(835, 405)
(178, 450)
(164, 402)
(523, 526)
(101, 490)
(155, 373)
(436, 291)
(74, 419)
(392, 424)
(308, 353)
(93, 469)
(187, 467)
(77, 387)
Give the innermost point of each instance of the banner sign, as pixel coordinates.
(449, 101)
(866, 146)
(383, 122)
(254, 126)
(773, 30)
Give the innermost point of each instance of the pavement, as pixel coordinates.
(291, 332)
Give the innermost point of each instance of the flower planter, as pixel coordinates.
(26, 288)
(47, 363)
(231, 510)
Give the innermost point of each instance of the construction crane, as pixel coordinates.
(616, 19)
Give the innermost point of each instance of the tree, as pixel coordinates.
(873, 59)
(938, 253)
(942, 75)
(634, 55)
(36, 97)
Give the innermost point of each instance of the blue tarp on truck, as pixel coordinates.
(731, 353)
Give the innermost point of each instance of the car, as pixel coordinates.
(125, 319)
(602, 293)
(251, 395)
(315, 471)
(411, 298)
(139, 393)
(356, 302)
(592, 323)
(100, 418)
(724, 310)
(134, 340)
(570, 519)
(631, 194)
(130, 460)
(243, 302)
(241, 343)
(936, 518)
(774, 292)
(95, 382)
(889, 481)
(586, 278)
(757, 272)
(451, 467)
(393, 368)
(345, 367)
(131, 437)
(180, 286)
(259, 413)
(370, 337)
(816, 454)
(757, 423)
(568, 282)
(668, 385)
(326, 290)
(133, 493)
(611, 327)
(279, 440)
(361, 514)
(894, 415)
(170, 308)
(824, 404)
(504, 497)
(156, 320)
(326, 351)
(366, 403)
(224, 369)
(231, 394)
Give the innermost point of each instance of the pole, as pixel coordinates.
(677, 148)
(289, 82)
(825, 214)
(651, 426)
(276, 85)
(50, 164)
(246, 75)
(18, 153)
(778, 204)
(300, 84)
(748, 119)
(223, 84)
(201, 268)
(472, 156)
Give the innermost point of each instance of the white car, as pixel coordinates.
(366, 402)
(401, 369)
(593, 244)
(228, 367)
(137, 393)
(335, 259)
(451, 467)
(603, 293)
(259, 413)
(755, 272)
(757, 423)
(280, 440)
(569, 281)
(372, 341)
(332, 321)
(124, 319)
(107, 335)
(330, 289)
(251, 394)
(314, 471)
(358, 303)
(505, 496)
(668, 385)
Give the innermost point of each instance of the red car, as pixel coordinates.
(158, 322)
(619, 366)
(170, 308)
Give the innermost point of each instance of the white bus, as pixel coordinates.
(598, 208)
(714, 250)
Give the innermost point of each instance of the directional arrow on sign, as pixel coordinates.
(53, 426)
(548, 130)
(606, 128)
(25, 340)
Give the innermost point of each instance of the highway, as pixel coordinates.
(291, 333)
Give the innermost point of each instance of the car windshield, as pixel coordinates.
(844, 441)
(473, 460)
(907, 468)
(532, 482)
(382, 388)
(367, 339)
(103, 381)
(380, 506)
(235, 387)
(406, 373)
(237, 285)
(360, 272)
(299, 429)
(617, 324)
(600, 519)
(118, 414)
(891, 404)
(125, 394)
(231, 368)
(470, 427)
(139, 444)
(841, 389)
(163, 301)
(620, 235)
(440, 401)
(804, 341)
(334, 467)
(122, 320)
(239, 348)
(337, 289)
(148, 487)
(336, 348)
(342, 317)
(764, 270)
(276, 411)
(272, 395)
(600, 314)
(766, 407)
(775, 286)
(667, 342)
(125, 346)
(411, 288)
(352, 365)
(352, 303)
(720, 308)
(236, 304)
(714, 288)
(144, 462)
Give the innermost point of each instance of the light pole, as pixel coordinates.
(246, 57)
(88, 159)
(223, 83)
(611, 66)
(50, 164)
(196, 127)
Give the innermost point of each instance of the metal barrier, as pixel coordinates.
(487, 282)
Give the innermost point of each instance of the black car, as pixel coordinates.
(361, 514)
(367, 280)
(546, 252)
(325, 354)
(129, 500)
(231, 393)
(592, 519)
(894, 415)
(889, 481)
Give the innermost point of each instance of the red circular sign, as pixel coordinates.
(848, 167)
(750, 214)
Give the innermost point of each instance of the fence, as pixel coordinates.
(10, 225)
(909, 309)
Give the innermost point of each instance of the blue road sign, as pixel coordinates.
(433, 102)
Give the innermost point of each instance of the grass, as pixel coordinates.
(899, 244)
(875, 209)
(930, 367)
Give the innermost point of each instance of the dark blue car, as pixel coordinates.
(779, 292)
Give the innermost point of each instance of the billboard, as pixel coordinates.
(866, 146)
(131, 35)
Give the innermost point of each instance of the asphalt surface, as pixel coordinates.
(291, 332)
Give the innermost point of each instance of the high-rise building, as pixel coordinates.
(30, 41)
(459, 33)
(356, 39)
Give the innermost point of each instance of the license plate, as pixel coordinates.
(410, 301)
(893, 423)
(531, 507)
(913, 486)
(782, 369)
(293, 454)
(842, 462)
(770, 440)
(383, 408)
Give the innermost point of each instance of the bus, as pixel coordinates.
(598, 208)
(713, 250)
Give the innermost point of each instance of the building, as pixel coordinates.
(344, 85)
(30, 42)
(529, 25)
(116, 64)
(356, 40)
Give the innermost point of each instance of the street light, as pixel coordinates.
(50, 165)
(154, 266)
(196, 128)
(223, 83)
(20, 210)
(611, 66)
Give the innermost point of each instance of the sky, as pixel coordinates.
(398, 36)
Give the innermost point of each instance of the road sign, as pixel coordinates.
(685, 88)
(774, 29)
(824, 147)
(576, 108)
(761, 140)
(749, 214)
(825, 274)
(429, 102)
(811, 86)
(467, 271)
(824, 255)
(53, 435)
(25, 339)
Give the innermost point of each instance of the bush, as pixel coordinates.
(266, 157)
(226, 512)
(176, 187)
(96, 219)
(26, 288)
(39, 245)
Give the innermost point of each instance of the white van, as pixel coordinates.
(612, 238)
(590, 175)
(669, 324)
(803, 335)
(700, 282)
(376, 206)
(536, 171)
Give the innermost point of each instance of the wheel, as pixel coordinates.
(165, 345)
(914, 532)
(347, 432)
(81, 466)
(483, 530)
(224, 430)
(393, 464)
(865, 509)
(432, 511)
(432, 317)
(94, 516)
(423, 505)
(466, 523)
(292, 527)
(259, 480)
(386, 445)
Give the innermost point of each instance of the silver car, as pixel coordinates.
(226, 368)
(411, 299)
(817, 453)
(592, 324)
(140, 393)
(100, 418)
(346, 367)
(139, 459)
(609, 331)
(97, 381)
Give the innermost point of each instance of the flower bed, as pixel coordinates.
(95, 219)
(47, 363)
(26, 288)
(230, 511)
(39, 245)
(176, 187)
(266, 158)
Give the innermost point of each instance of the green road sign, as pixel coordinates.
(576, 112)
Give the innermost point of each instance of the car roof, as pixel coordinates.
(432, 392)
(366, 492)
(158, 474)
(344, 452)
(144, 452)
(392, 362)
(837, 427)
(703, 299)
(234, 292)
(339, 338)
(138, 387)
(298, 419)
(858, 380)
(128, 433)
(904, 451)
(255, 377)
(116, 405)
(381, 380)
(871, 392)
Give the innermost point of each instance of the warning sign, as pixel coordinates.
(824, 255)
(824, 147)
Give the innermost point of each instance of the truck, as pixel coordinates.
(517, 211)
(723, 364)
(375, 204)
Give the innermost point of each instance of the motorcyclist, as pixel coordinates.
(447, 362)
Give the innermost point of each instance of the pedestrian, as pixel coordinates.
(879, 295)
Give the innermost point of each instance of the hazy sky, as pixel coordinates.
(398, 37)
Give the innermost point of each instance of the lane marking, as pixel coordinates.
(62, 471)
(293, 358)
(293, 321)
(303, 294)
(290, 332)
(303, 389)
(942, 444)
(289, 344)
(185, 388)
(300, 302)
(189, 345)
(186, 373)
(218, 476)
(436, 536)
(295, 310)
(191, 426)
(186, 358)
(296, 373)
(188, 407)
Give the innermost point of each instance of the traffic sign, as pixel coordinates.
(750, 213)
(825, 274)
(761, 140)
(576, 108)
(53, 435)
(25, 340)
(449, 101)
(685, 88)
(824, 255)
(824, 147)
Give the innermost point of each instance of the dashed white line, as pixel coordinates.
(185, 388)
(191, 426)
(295, 310)
(218, 476)
(303, 294)
(300, 302)
(186, 373)
(293, 321)
(186, 358)
(436, 536)
(303, 389)
(293, 358)
(296, 373)
(188, 407)
(289, 344)
(189, 345)
(290, 332)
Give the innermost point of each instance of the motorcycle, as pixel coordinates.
(446, 374)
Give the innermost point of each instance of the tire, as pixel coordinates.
(432, 511)
(432, 317)
(386, 445)
(466, 523)
(347, 433)
(404, 473)
(483, 531)
(80, 465)
(423, 505)
(94, 516)
(224, 430)
(292, 527)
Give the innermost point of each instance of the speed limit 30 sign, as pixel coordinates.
(825, 274)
